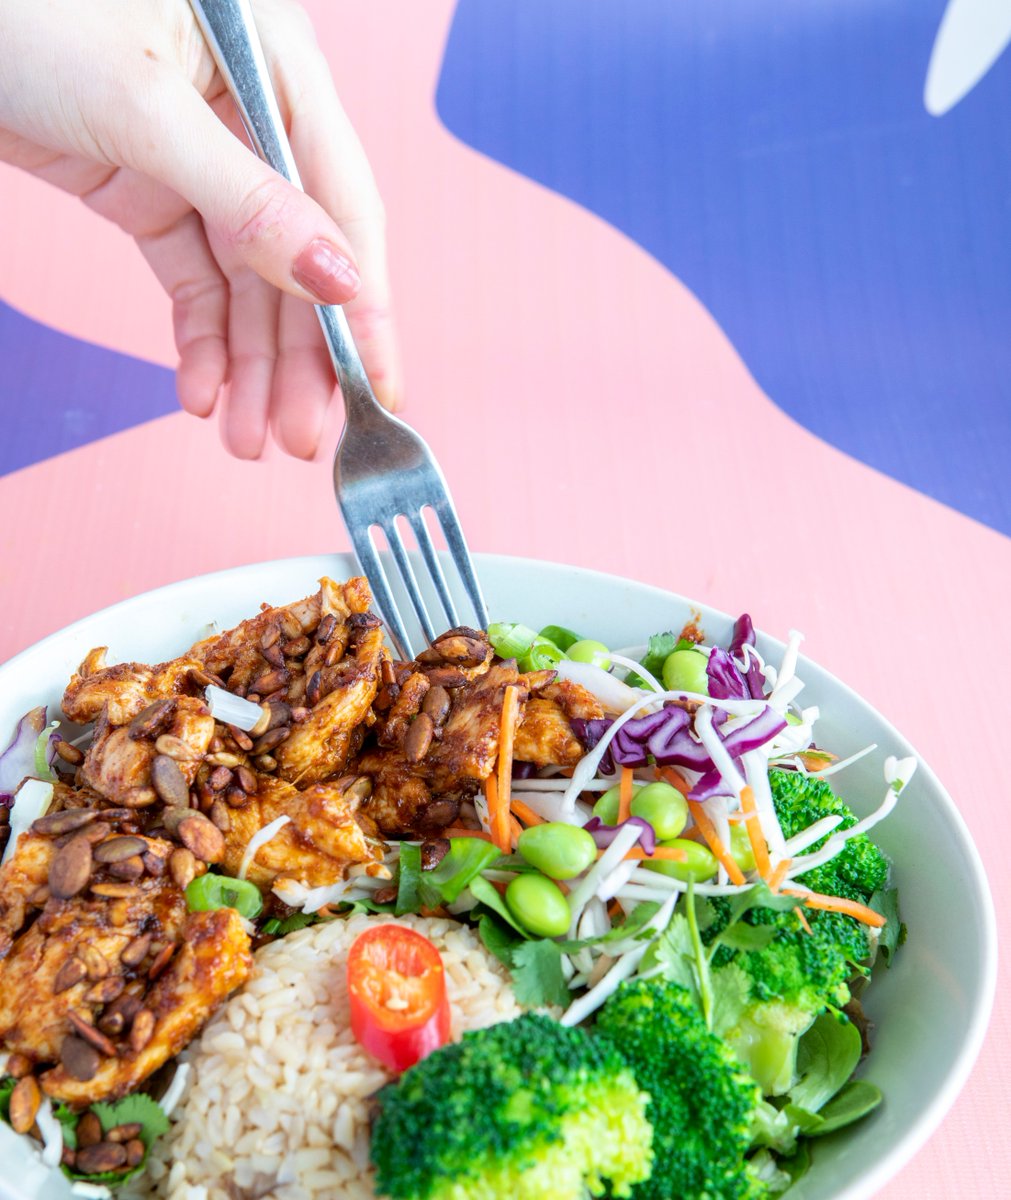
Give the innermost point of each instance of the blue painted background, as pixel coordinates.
(776, 156)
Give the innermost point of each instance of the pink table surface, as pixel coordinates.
(534, 330)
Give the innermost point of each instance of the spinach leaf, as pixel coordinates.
(408, 881)
(827, 1056)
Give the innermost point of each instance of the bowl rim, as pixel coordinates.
(928, 1119)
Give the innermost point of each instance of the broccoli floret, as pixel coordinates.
(805, 966)
(526, 1109)
(860, 869)
(702, 1103)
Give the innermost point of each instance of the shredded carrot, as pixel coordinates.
(778, 875)
(708, 830)
(668, 852)
(625, 795)
(614, 910)
(675, 779)
(804, 923)
(759, 847)
(458, 831)
(506, 736)
(515, 829)
(526, 814)
(498, 815)
(851, 908)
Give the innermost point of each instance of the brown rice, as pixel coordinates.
(276, 1103)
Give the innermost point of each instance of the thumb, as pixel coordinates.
(268, 223)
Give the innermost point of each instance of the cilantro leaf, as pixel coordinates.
(137, 1109)
(731, 996)
(537, 974)
(675, 955)
(498, 938)
(660, 645)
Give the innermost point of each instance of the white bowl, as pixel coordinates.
(930, 1010)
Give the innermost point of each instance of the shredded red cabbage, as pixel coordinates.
(744, 635)
(711, 784)
(523, 770)
(17, 761)
(604, 835)
(725, 679)
(666, 737)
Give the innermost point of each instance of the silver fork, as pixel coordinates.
(382, 469)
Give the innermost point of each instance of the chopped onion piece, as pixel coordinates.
(52, 1134)
(232, 710)
(31, 800)
(260, 838)
(610, 691)
(174, 1091)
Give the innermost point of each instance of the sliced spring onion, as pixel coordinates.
(563, 638)
(44, 753)
(212, 891)
(261, 838)
(541, 656)
(510, 640)
(232, 710)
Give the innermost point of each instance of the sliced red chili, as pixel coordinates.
(397, 993)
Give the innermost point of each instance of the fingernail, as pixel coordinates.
(321, 269)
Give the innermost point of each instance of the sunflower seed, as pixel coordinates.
(203, 838)
(174, 747)
(89, 1130)
(161, 961)
(90, 1034)
(70, 868)
(152, 720)
(24, 1104)
(135, 1151)
(436, 704)
(68, 820)
(114, 890)
(182, 868)
(124, 1133)
(105, 990)
(169, 781)
(419, 738)
(102, 1157)
(116, 849)
(134, 952)
(142, 1030)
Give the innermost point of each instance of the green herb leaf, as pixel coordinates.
(486, 894)
(827, 1056)
(731, 996)
(7, 1085)
(675, 954)
(633, 924)
(409, 880)
(657, 649)
(292, 923)
(498, 938)
(853, 1101)
(537, 974)
(467, 857)
(68, 1120)
(348, 908)
(893, 933)
(747, 937)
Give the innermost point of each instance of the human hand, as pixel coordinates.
(121, 105)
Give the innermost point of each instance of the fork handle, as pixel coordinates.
(230, 32)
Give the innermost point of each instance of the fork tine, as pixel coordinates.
(434, 566)
(410, 580)
(372, 567)
(457, 543)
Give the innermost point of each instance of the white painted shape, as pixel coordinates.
(971, 37)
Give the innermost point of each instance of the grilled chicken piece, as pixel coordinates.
(322, 745)
(33, 1008)
(402, 803)
(21, 876)
(213, 959)
(118, 762)
(469, 744)
(323, 838)
(122, 691)
(544, 736)
(85, 973)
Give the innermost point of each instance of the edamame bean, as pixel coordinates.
(685, 671)
(589, 651)
(557, 849)
(740, 847)
(538, 905)
(700, 863)
(607, 806)
(663, 806)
